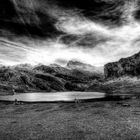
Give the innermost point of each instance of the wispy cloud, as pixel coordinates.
(82, 38)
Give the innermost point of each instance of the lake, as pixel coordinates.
(52, 97)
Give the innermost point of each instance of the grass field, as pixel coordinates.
(106, 120)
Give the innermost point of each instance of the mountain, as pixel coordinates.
(74, 79)
(129, 66)
(122, 77)
(84, 67)
(42, 78)
(27, 80)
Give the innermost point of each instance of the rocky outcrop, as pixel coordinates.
(122, 77)
(124, 67)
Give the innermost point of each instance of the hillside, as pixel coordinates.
(122, 77)
(26, 78)
(129, 66)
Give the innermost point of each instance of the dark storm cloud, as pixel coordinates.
(137, 12)
(48, 31)
(85, 41)
(68, 39)
(35, 18)
(90, 41)
(99, 10)
(26, 17)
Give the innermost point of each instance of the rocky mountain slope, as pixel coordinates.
(124, 67)
(26, 78)
(122, 77)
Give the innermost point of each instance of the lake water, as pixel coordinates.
(50, 97)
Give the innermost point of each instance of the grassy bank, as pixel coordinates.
(114, 120)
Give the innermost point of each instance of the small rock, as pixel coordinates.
(126, 105)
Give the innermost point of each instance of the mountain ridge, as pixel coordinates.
(42, 78)
(121, 77)
(129, 66)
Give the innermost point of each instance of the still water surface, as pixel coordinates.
(58, 96)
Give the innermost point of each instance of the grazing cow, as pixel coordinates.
(16, 102)
(77, 100)
(13, 90)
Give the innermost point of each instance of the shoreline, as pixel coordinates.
(107, 98)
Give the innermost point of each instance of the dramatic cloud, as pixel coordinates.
(95, 32)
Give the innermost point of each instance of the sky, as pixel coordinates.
(56, 31)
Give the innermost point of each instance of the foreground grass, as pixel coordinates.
(106, 120)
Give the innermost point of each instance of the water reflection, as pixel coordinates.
(58, 96)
